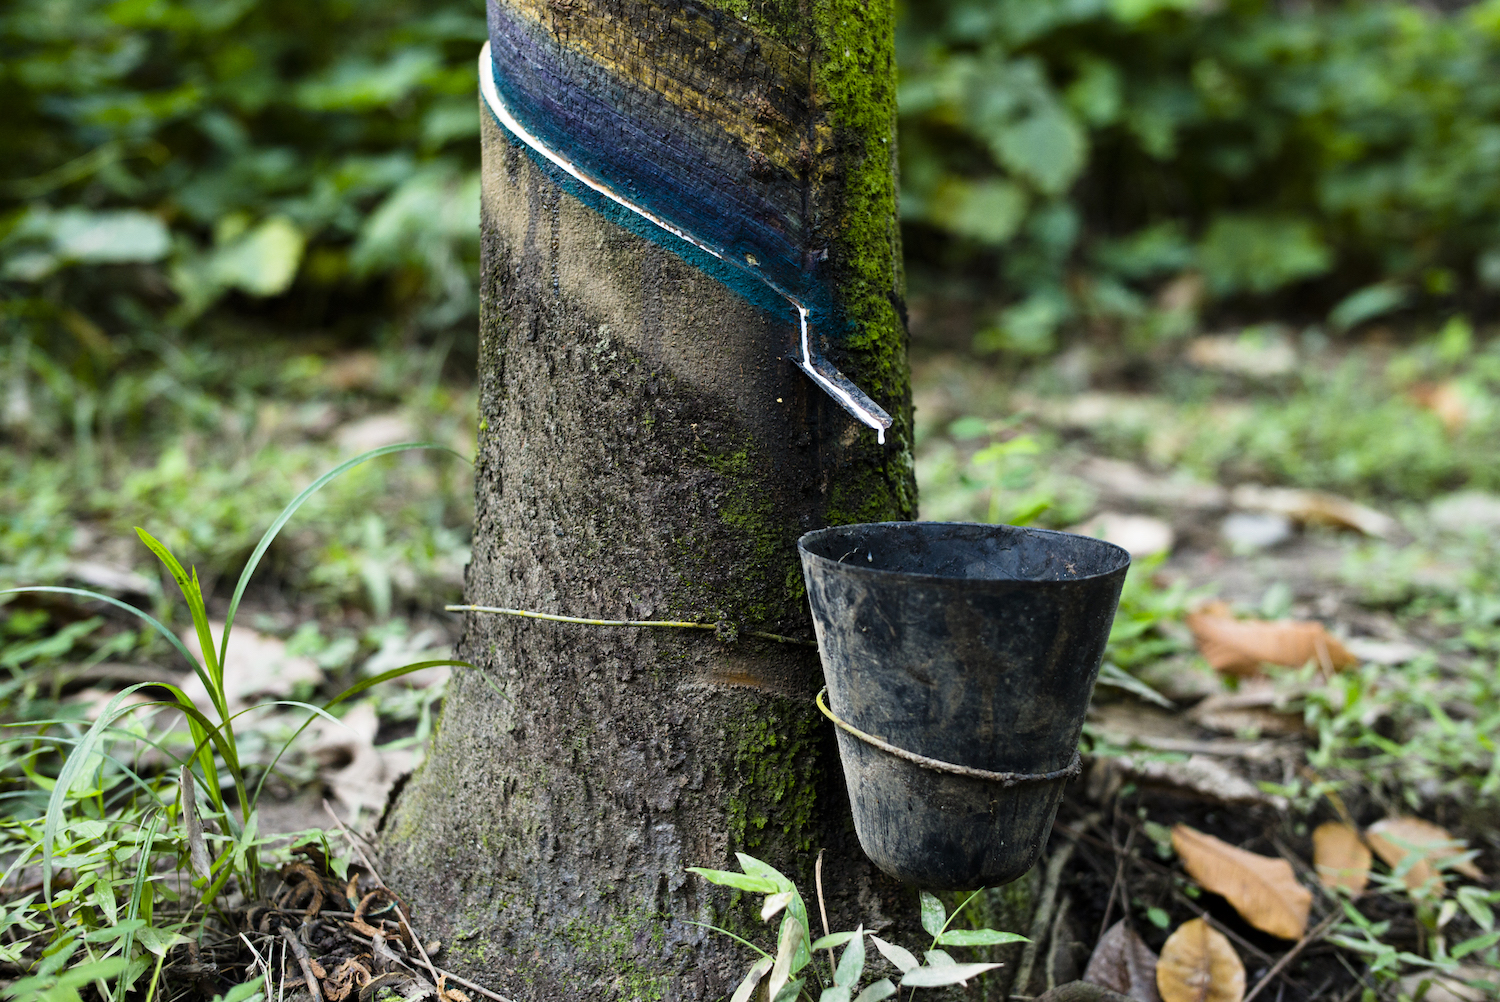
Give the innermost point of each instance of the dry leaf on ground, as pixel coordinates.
(374, 432)
(1466, 512)
(1254, 354)
(1394, 839)
(1446, 400)
(1128, 482)
(1241, 646)
(1314, 508)
(1251, 708)
(1341, 859)
(1382, 652)
(1141, 535)
(112, 578)
(1263, 890)
(1198, 965)
(1123, 963)
(257, 665)
(356, 370)
(359, 774)
(1201, 774)
(1450, 987)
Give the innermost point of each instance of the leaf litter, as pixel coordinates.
(1122, 962)
(1264, 891)
(1198, 964)
(1341, 858)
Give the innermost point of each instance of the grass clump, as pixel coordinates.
(137, 824)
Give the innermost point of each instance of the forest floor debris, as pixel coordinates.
(1293, 731)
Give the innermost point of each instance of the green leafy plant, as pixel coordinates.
(239, 148)
(796, 950)
(1113, 164)
(104, 814)
(1008, 479)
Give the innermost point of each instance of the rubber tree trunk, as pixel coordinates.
(646, 451)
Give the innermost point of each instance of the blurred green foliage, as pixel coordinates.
(162, 154)
(1100, 164)
(1123, 164)
(203, 205)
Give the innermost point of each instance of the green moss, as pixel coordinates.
(612, 946)
(469, 949)
(855, 90)
(781, 19)
(773, 783)
(761, 591)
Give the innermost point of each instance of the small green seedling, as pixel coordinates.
(791, 973)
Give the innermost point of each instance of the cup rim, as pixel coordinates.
(1122, 555)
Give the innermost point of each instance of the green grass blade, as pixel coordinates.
(291, 509)
(726, 932)
(72, 765)
(215, 733)
(137, 891)
(193, 593)
(129, 772)
(386, 676)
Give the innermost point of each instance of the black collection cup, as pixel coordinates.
(960, 659)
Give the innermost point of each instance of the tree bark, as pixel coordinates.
(646, 451)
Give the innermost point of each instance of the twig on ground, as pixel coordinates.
(1054, 938)
(1364, 982)
(448, 974)
(1308, 938)
(1041, 919)
(395, 902)
(1193, 906)
(304, 960)
(401, 914)
(1244, 943)
(265, 968)
(1118, 886)
(469, 984)
(822, 910)
(1080, 991)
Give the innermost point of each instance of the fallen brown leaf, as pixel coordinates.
(197, 847)
(357, 370)
(1251, 708)
(1396, 839)
(1445, 400)
(1198, 965)
(1201, 774)
(1450, 986)
(1122, 962)
(1314, 508)
(1245, 354)
(1141, 535)
(1340, 858)
(374, 431)
(447, 994)
(1263, 890)
(1241, 646)
(257, 666)
(365, 774)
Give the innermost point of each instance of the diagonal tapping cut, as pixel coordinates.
(819, 369)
